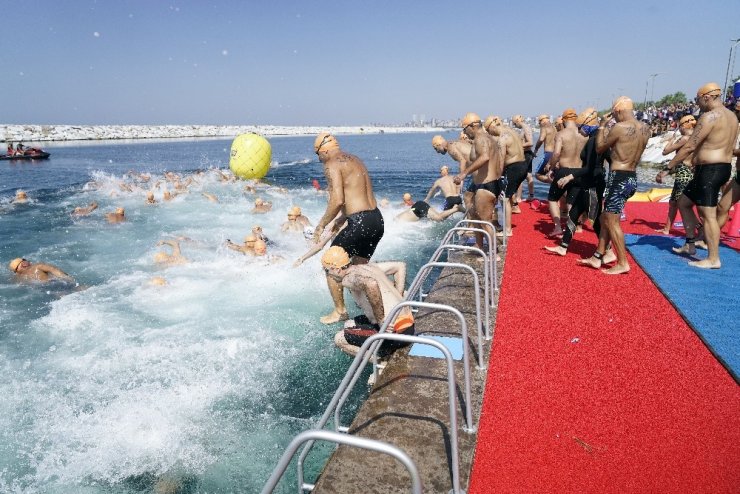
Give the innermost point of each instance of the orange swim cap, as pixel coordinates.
(438, 141)
(260, 247)
(588, 116)
(569, 114)
(688, 121)
(295, 210)
(709, 88)
(404, 321)
(120, 211)
(623, 103)
(325, 141)
(469, 119)
(335, 257)
(543, 117)
(13, 265)
(492, 120)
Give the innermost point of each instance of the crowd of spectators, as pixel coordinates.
(665, 118)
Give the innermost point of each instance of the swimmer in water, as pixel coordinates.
(150, 198)
(261, 206)
(421, 209)
(170, 259)
(84, 211)
(374, 293)
(260, 250)
(257, 230)
(158, 281)
(292, 225)
(116, 217)
(20, 197)
(407, 201)
(25, 270)
(210, 197)
(247, 247)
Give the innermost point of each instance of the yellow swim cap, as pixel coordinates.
(325, 141)
(569, 114)
(688, 121)
(120, 211)
(622, 103)
(588, 116)
(438, 141)
(20, 193)
(543, 117)
(13, 265)
(295, 210)
(492, 120)
(258, 202)
(260, 247)
(160, 257)
(407, 197)
(469, 119)
(709, 88)
(335, 257)
(158, 280)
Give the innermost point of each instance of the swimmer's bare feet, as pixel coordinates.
(591, 262)
(557, 231)
(618, 269)
(706, 264)
(516, 209)
(687, 249)
(559, 249)
(701, 244)
(663, 231)
(609, 257)
(333, 317)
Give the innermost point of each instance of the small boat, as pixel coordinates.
(30, 154)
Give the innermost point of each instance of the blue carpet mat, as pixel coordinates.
(707, 299)
(454, 345)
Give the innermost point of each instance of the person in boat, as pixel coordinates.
(10, 149)
(26, 270)
(374, 293)
(19, 149)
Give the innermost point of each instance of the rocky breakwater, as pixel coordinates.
(41, 133)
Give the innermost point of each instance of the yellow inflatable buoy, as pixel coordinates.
(250, 156)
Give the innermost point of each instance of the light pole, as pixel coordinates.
(652, 90)
(647, 83)
(727, 75)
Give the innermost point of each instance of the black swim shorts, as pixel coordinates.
(362, 234)
(620, 186)
(555, 192)
(528, 157)
(452, 201)
(420, 209)
(515, 173)
(704, 188)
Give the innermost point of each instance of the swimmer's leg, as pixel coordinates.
(337, 295)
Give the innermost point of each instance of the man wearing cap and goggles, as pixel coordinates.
(683, 173)
(374, 293)
(25, 269)
(350, 193)
(626, 137)
(712, 144)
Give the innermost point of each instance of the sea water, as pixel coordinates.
(118, 385)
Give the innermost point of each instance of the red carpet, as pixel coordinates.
(596, 384)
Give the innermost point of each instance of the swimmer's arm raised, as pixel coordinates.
(54, 271)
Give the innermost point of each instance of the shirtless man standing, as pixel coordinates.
(26, 270)
(547, 138)
(374, 293)
(566, 158)
(514, 165)
(732, 192)
(626, 139)
(712, 144)
(459, 151)
(486, 170)
(351, 193)
(446, 184)
(527, 142)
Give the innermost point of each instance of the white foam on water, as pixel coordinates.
(127, 378)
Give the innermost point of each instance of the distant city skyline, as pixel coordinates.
(346, 63)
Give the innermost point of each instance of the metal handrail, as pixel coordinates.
(486, 276)
(492, 254)
(476, 290)
(336, 437)
(350, 378)
(358, 365)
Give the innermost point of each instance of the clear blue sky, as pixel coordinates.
(346, 62)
